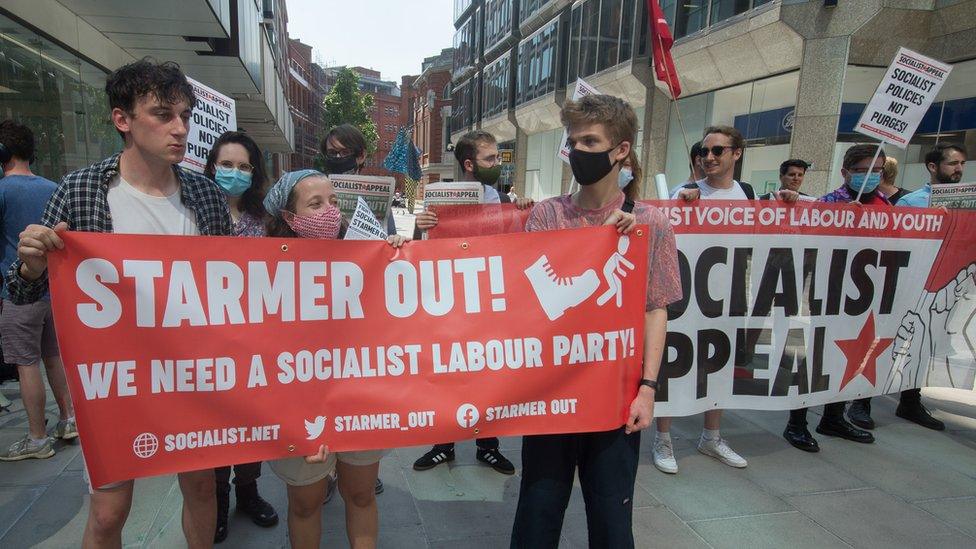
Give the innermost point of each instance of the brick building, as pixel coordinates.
(305, 94)
(427, 103)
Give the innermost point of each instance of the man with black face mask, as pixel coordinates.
(344, 150)
(477, 154)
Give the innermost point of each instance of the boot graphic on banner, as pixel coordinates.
(556, 294)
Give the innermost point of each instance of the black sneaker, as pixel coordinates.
(433, 458)
(496, 460)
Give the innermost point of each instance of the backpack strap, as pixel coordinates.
(628, 206)
(748, 190)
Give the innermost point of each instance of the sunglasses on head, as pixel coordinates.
(717, 150)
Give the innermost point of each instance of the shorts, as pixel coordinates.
(27, 332)
(296, 472)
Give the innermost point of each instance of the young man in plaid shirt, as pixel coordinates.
(141, 190)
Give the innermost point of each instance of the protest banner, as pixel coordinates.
(954, 196)
(377, 191)
(456, 221)
(581, 90)
(788, 306)
(184, 353)
(902, 98)
(453, 192)
(363, 225)
(213, 114)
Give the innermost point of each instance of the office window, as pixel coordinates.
(723, 9)
(601, 36)
(537, 63)
(609, 37)
(627, 29)
(464, 47)
(498, 22)
(690, 17)
(496, 87)
(460, 6)
(572, 72)
(461, 115)
(530, 7)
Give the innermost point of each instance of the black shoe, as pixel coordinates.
(496, 460)
(916, 413)
(860, 414)
(253, 505)
(841, 428)
(433, 458)
(379, 486)
(223, 508)
(801, 438)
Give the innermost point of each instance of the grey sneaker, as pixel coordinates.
(25, 449)
(66, 429)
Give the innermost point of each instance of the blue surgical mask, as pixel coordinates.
(873, 180)
(625, 177)
(233, 181)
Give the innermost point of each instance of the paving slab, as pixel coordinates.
(762, 531)
(872, 518)
(959, 512)
(15, 501)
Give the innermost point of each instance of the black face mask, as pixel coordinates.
(341, 164)
(590, 167)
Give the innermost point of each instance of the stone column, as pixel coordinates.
(818, 103)
(654, 141)
(521, 159)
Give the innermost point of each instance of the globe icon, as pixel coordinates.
(145, 445)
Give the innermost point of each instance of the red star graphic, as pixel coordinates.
(862, 353)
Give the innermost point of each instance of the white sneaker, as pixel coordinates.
(556, 294)
(719, 449)
(664, 456)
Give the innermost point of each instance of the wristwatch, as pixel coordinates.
(652, 383)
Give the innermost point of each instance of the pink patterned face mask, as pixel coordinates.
(323, 224)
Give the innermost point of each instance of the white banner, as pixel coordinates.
(213, 114)
(902, 98)
(954, 195)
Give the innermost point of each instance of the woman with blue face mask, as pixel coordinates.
(630, 177)
(235, 164)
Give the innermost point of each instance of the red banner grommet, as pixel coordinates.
(476, 431)
(284, 247)
(640, 232)
(464, 245)
(291, 447)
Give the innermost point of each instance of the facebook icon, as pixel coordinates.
(467, 415)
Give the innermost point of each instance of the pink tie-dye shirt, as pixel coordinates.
(663, 281)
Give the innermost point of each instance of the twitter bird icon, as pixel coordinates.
(315, 428)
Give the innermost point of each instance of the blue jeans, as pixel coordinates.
(607, 463)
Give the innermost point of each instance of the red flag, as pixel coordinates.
(661, 42)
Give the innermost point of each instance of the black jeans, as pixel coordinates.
(909, 397)
(245, 473)
(832, 412)
(607, 464)
(490, 443)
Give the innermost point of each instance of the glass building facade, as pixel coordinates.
(60, 96)
(538, 63)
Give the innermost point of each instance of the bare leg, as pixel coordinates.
(713, 419)
(106, 516)
(357, 486)
(305, 514)
(199, 507)
(59, 385)
(32, 393)
(664, 424)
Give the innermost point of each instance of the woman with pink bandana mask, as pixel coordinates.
(304, 204)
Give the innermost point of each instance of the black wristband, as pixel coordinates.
(649, 383)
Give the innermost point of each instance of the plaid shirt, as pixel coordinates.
(81, 200)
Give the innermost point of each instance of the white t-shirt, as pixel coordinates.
(135, 212)
(711, 193)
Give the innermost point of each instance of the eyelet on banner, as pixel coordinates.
(284, 247)
(640, 232)
(464, 245)
(476, 430)
(291, 447)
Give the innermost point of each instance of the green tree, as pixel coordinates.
(346, 104)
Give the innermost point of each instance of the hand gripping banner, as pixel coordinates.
(184, 353)
(788, 306)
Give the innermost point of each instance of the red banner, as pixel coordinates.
(460, 220)
(184, 353)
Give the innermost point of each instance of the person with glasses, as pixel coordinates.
(344, 152)
(234, 163)
(721, 148)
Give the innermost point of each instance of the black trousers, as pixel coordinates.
(490, 443)
(607, 464)
(832, 411)
(909, 397)
(245, 473)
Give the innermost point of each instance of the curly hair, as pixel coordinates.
(147, 77)
(18, 139)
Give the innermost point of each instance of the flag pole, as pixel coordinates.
(674, 101)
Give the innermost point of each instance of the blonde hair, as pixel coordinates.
(616, 115)
(890, 170)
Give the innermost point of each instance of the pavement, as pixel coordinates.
(912, 488)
